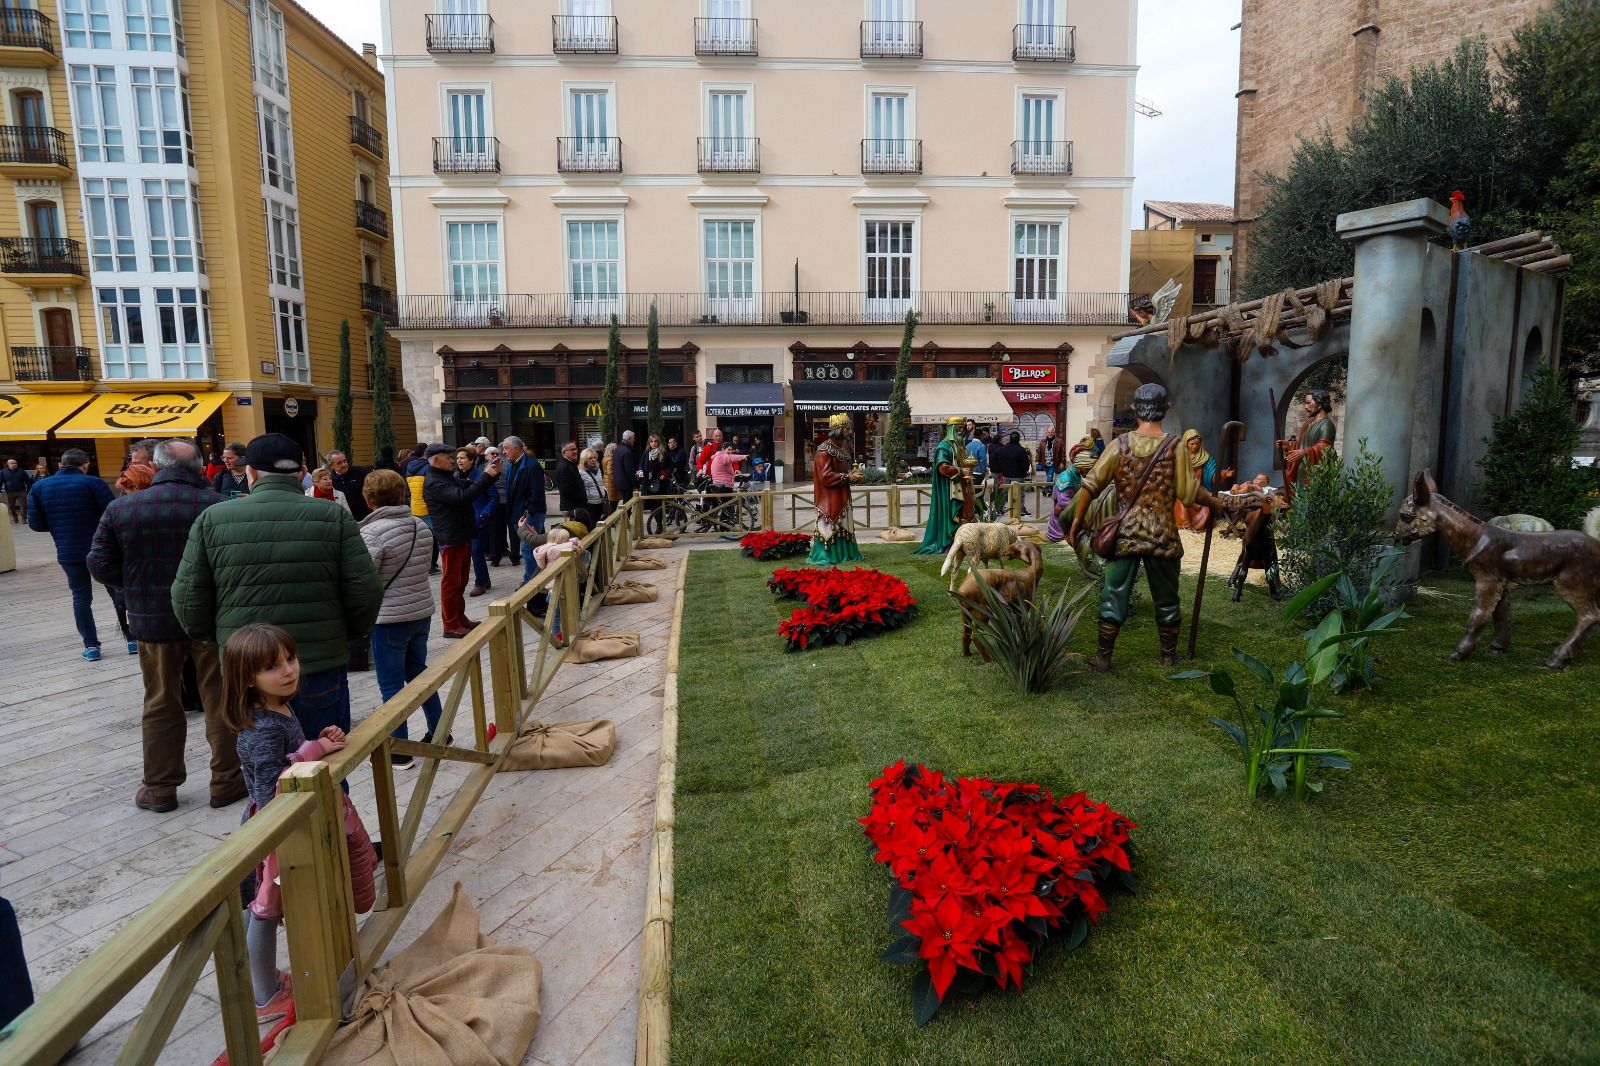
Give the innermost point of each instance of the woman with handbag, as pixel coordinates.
(401, 546)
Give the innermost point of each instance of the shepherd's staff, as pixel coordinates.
(1232, 434)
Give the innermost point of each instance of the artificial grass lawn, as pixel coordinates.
(1438, 903)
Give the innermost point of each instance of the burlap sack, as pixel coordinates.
(452, 996)
(629, 591)
(643, 562)
(896, 535)
(596, 644)
(653, 542)
(552, 745)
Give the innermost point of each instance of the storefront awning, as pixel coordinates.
(144, 414)
(1043, 394)
(831, 396)
(29, 415)
(934, 400)
(754, 400)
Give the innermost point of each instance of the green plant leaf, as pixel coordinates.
(1189, 675)
(903, 952)
(924, 1000)
(1079, 933)
(1255, 666)
(1232, 730)
(1309, 595)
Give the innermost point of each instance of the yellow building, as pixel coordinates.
(198, 204)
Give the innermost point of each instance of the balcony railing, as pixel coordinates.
(52, 364)
(569, 310)
(725, 37)
(34, 144)
(584, 34)
(891, 40)
(1044, 43)
(460, 33)
(896, 156)
(40, 255)
(23, 27)
(371, 218)
(729, 155)
(466, 155)
(380, 301)
(589, 155)
(366, 135)
(1041, 157)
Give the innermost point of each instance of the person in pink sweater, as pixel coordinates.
(724, 465)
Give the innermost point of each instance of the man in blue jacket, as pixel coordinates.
(524, 496)
(68, 507)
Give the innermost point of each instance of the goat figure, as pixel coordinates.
(1014, 586)
(1500, 559)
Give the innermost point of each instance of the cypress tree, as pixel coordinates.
(343, 415)
(610, 399)
(382, 414)
(652, 341)
(894, 439)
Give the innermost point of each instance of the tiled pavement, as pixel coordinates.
(555, 860)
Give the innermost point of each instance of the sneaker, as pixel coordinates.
(92, 654)
(400, 762)
(146, 800)
(282, 999)
(449, 741)
(133, 647)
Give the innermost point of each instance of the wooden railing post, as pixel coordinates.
(1015, 500)
(894, 505)
(505, 674)
(638, 515)
(318, 908)
(766, 510)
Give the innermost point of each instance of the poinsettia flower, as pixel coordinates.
(949, 938)
(1011, 956)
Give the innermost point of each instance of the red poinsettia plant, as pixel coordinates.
(843, 605)
(770, 544)
(985, 873)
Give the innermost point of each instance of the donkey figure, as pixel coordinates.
(1499, 560)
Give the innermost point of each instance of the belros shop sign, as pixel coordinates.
(1015, 374)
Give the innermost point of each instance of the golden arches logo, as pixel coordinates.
(594, 410)
(536, 410)
(481, 411)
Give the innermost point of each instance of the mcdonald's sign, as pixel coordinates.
(594, 410)
(536, 410)
(481, 413)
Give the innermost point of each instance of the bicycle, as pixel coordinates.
(698, 506)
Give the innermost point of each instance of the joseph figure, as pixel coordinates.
(832, 475)
(946, 503)
(1313, 445)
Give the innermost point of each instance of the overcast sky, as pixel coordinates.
(1189, 68)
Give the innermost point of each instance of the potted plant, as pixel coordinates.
(777, 471)
(988, 311)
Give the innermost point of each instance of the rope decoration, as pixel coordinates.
(1320, 313)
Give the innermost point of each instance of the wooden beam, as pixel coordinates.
(1507, 243)
(148, 1041)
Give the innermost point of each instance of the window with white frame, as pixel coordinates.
(590, 126)
(268, 45)
(728, 124)
(890, 263)
(891, 136)
(149, 25)
(472, 260)
(110, 218)
(594, 260)
(467, 120)
(86, 23)
(1036, 263)
(588, 25)
(170, 215)
(1043, 26)
(277, 147)
(730, 259)
(122, 333)
(181, 318)
(1037, 138)
(163, 128)
(283, 233)
(293, 362)
(94, 95)
(727, 22)
(890, 22)
(461, 24)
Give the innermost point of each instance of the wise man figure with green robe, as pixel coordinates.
(949, 492)
(1315, 443)
(832, 475)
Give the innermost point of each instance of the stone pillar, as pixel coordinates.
(1386, 332)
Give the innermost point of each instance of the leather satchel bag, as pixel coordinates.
(1105, 538)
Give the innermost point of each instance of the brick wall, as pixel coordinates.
(1303, 64)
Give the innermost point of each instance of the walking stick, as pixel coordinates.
(1232, 434)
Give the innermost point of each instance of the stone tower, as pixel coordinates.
(1303, 63)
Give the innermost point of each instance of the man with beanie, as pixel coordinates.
(450, 497)
(282, 557)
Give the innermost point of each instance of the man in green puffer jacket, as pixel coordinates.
(291, 560)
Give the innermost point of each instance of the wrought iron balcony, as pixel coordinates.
(23, 27)
(371, 218)
(34, 144)
(896, 156)
(891, 40)
(460, 33)
(1041, 157)
(729, 155)
(725, 37)
(589, 155)
(583, 34)
(40, 255)
(380, 301)
(466, 155)
(365, 135)
(52, 364)
(570, 310)
(1046, 43)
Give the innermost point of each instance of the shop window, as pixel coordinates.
(524, 376)
(477, 378)
(961, 370)
(586, 375)
(672, 375)
(740, 374)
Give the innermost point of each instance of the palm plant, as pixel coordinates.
(1029, 641)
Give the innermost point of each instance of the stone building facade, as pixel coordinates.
(1303, 63)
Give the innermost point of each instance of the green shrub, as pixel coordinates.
(1029, 641)
(1528, 467)
(1337, 523)
(1359, 614)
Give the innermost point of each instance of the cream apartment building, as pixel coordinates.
(782, 181)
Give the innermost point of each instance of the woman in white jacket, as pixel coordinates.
(401, 546)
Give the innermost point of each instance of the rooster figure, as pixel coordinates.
(1460, 226)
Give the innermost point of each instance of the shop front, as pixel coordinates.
(1034, 393)
(866, 402)
(672, 414)
(26, 421)
(934, 401)
(113, 420)
(746, 410)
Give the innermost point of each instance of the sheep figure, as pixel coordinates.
(975, 543)
(1014, 586)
